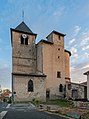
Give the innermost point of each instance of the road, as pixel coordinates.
(26, 111)
(2, 106)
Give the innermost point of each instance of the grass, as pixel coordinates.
(60, 102)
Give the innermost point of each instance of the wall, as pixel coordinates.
(88, 86)
(67, 66)
(21, 88)
(39, 57)
(75, 86)
(23, 56)
(52, 64)
(24, 64)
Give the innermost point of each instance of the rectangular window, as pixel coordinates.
(58, 74)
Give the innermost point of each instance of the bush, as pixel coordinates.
(10, 100)
(36, 102)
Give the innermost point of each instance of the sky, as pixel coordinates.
(70, 17)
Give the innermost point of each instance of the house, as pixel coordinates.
(87, 73)
(76, 90)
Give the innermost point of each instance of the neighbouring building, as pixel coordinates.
(87, 73)
(39, 71)
(5, 95)
(76, 90)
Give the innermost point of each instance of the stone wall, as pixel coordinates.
(67, 65)
(78, 87)
(23, 56)
(21, 88)
(88, 86)
(39, 57)
(53, 62)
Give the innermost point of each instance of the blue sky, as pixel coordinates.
(70, 17)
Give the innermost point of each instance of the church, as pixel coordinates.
(39, 70)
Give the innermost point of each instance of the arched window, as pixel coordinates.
(30, 86)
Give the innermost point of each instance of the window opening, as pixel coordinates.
(30, 86)
(58, 74)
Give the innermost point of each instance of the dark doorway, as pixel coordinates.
(47, 94)
(75, 93)
(85, 92)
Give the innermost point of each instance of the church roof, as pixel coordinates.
(58, 33)
(23, 27)
(45, 41)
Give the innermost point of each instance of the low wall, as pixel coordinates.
(81, 104)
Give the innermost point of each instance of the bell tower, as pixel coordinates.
(27, 83)
(23, 50)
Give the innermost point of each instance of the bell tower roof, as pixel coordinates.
(23, 27)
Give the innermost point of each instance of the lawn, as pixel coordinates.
(60, 102)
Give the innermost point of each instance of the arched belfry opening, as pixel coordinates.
(30, 86)
(24, 39)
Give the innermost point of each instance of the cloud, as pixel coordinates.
(78, 71)
(85, 47)
(86, 66)
(74, 56)
(72, 41)
(73, 50)
(85, 41)
(76, 30)
(5, 66)
(85, 38)
(84, 56)
(5, 76)
(58, 12)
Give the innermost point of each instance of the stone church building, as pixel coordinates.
(39, 71)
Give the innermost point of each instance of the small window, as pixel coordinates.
(60, 88)
(58, 74)
(59, 37)
(58, 57)
(58, 48)
(30, 86)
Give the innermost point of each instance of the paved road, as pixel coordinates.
(27, 111)
(2, 106)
